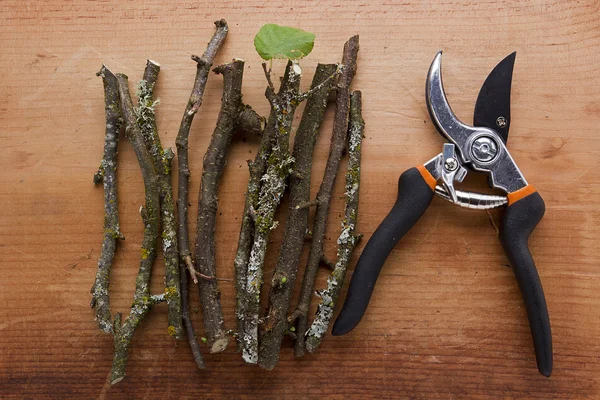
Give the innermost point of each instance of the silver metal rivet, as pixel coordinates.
(450, 164)
(501, 122)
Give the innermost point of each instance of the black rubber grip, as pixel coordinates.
(414, 196)
(520, 219)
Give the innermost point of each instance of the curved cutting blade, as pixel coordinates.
(492, 109)
(442, 116)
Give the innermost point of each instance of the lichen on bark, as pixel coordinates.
(107, 176)
(146, 119)
(142, 300)
(278, 167)
(348, 238)
(296, 225)
(338, 143)
(257, 169)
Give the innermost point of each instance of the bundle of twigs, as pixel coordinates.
(274, 170)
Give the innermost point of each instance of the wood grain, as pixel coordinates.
(446, 320)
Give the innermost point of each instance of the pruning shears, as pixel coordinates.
(480, 148)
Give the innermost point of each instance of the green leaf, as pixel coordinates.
(275, 41)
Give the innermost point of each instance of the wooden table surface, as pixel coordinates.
(446, 319)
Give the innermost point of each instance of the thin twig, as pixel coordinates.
(215, 160)
(203, 65)
(326, 262)
(296, 225)
(268, 76)
(107, 175)
(146, 119)
(338, 144)
(142, 300)
(348, 238)
(306, 203)
(212, 278)
(187, 319)
(273, 184)
(327, 81)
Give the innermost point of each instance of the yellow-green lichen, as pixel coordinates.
(170, 292)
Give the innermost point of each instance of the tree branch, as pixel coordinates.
(284, 276)
(348, 238)
(306, 203)
(203, 65)
(338, 144)
(187, 319)
(257, 169)
(107, 175)
(327, 263)
(146, 119)
(273, 183)
(268, 76)
(325, 82)
(215, 160)
(142, 300)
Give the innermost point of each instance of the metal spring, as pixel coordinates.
(472, 200)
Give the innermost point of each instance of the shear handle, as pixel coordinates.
(525, 210)
(415, 192)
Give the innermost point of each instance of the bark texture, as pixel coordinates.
(107, 175)
(296, 226)
(203, 65)
(187, 319)
(348, 238)
(142, 300)
(257, 169)
(146, 119)
(338, 144)
(272, 186)
(215, 159)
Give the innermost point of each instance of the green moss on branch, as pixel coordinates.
(246, 238)
(146, 119)
(142, 300)
(272, 186)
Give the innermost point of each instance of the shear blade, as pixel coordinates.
(492, 109)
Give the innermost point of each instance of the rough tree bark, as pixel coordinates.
(203, 65)
(296, 226)
(257, 169)
(230, 120)
(338, 144)
(142, 300)
(146, 119)
(273, 183)
(348, 238)
(107, 175)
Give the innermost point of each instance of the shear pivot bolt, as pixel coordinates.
(450, 164)
(501, 122)
(484, 149)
